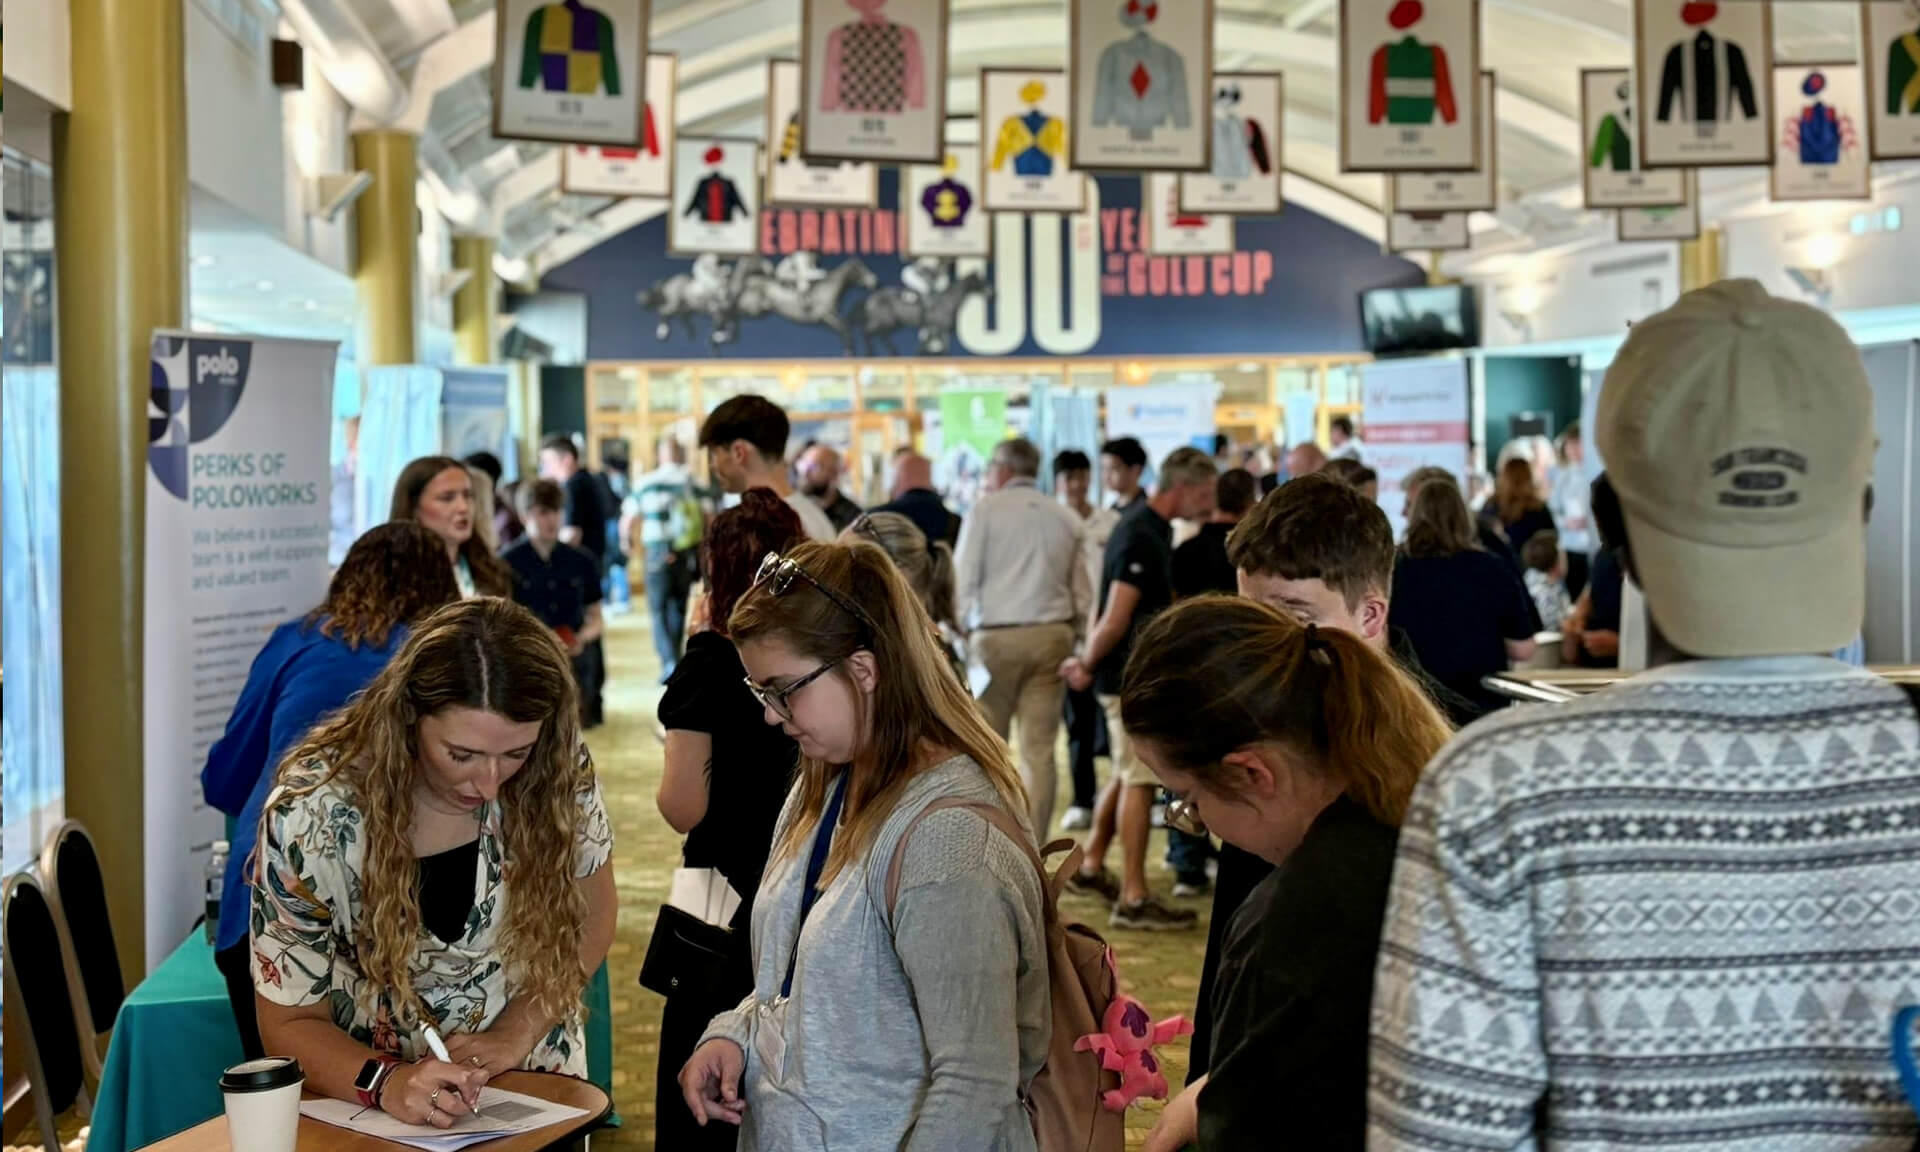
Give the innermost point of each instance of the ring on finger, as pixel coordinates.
(433, 1100)
(475, 1061)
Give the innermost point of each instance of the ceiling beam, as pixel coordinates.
(1301, 15)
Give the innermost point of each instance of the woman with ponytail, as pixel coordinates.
(928, 567)
(1302, 746)
(909, 1014)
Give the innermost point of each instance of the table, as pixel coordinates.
(318, 1137)
(175, 1035)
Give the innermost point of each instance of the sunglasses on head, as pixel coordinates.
(778, 572)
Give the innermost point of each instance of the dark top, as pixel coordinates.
(1140, 553)
(1459, 611)
(1201, 565)
(1494, 540)
(1295, 992)
(924, 507)
(1604, 589)
(840, 510)
(1520, 531)
(751, 771)
(557, 589)
(300, 675)
(586, 512)
(447, 883)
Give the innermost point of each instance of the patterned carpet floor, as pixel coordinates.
(1162, 969)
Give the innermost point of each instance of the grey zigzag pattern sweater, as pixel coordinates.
(1676, 915)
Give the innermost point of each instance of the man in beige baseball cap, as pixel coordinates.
(1657, 910)
(1738, 431)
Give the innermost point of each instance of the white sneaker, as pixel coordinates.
(1077, 819)
(1159, 815)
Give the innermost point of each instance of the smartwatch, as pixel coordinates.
(372, 1078)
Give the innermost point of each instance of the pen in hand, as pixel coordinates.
(439, 1049)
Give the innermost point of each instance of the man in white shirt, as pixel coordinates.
(1681, 911)
(746, 444)
(1023, 592)
(649, 520)
(1346, 445)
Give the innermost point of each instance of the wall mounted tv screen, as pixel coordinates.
(1409, 321)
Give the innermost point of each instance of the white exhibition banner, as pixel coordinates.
(1417, 416)
(236, 544)
(1163, 417)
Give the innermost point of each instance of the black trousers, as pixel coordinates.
(236, 964)
(682, 1022)
(1239, 874)
(1086, 738)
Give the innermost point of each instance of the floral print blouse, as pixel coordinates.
(306, 913)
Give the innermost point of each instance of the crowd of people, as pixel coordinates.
(1678, 911)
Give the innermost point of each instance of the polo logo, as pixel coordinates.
(223, 364)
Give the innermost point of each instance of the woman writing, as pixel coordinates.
(438, 492)
(1465, 610)
(1302, 746)
(727, 776)
(914, 1023)
(436, 856)
(391, 577)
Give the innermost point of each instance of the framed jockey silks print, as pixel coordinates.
(1409, 90)
(1475, 191)
(1704, 69)
(1426, 231)
(1676, 222)
(941, 204)
(1821, 153)
(716, 197)
(1890, 35)
(1611, 176)
(1243, 178)
(873, 80)
(791, 181)
(570, 71)
(646, 170)
(1142, 80)
(1166, 229)
(1023, 124)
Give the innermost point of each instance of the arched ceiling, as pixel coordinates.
(1536, 48)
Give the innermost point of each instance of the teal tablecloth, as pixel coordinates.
(175, 1035)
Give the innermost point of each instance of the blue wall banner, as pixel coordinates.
(236, 543)
(828, 283)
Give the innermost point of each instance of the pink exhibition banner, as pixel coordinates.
(1417, 416)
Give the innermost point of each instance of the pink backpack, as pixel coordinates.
(1065, 1101)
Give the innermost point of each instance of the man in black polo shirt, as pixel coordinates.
(1136, 581)
(560, 584)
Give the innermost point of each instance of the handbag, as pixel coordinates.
(686, 956)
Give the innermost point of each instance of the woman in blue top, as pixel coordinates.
(393, 576)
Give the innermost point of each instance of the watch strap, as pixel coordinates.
(369, 1096)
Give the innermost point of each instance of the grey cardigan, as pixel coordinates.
(919, 1036)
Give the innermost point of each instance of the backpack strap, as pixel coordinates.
(997, 816)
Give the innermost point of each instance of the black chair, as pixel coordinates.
(36, 981)
(79, 896)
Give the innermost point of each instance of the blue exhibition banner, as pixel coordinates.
(831, 283)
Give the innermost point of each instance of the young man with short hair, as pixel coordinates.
(746, 444)
(586, 517)
(558, 583)
(1680, 911)
(1546, 576)
(1122, 463)
(1137, 582)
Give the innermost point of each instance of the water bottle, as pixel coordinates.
(216, 883)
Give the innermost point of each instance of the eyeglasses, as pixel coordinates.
(777, 573)
(776, 698)
(1184, 816)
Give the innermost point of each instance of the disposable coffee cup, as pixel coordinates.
(263, 1104)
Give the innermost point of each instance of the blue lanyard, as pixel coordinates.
(816, 864)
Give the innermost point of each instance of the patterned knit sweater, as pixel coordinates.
(1679, 914)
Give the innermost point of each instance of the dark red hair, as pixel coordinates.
(737, 540)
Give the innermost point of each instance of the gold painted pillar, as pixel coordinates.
(385, 220)
(1702, 260)
(120, 187)
(476, 303)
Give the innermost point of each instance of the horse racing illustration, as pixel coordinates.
(926, 303)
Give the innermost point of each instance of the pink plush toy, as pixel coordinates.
(1126, 1047)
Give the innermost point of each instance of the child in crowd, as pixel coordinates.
(1546, 577)
(557, 582)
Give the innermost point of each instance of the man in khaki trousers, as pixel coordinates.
(1023, 593)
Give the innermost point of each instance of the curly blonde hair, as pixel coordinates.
(487, 654)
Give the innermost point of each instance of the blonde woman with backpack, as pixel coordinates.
(914, 1023)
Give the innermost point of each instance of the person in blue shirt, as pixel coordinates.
(394, 575)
